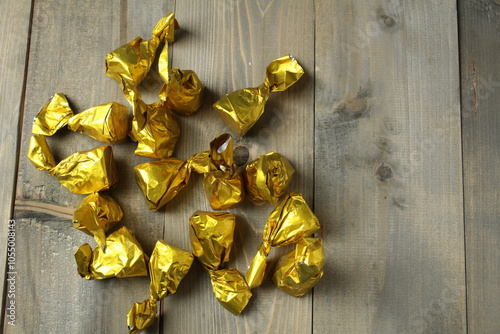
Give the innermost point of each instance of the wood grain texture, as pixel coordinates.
(13, 51)
(68, 48)
(388, 180)
(479, 25)
(229, 44)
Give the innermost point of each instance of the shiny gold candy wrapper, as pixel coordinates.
(223, 182)
(82, 172)
(40, 154)
(122, 257)
(183, 91)
(53, 116)
(161, 180)
(107, 123)
(131, 62)
(86, 172)
(154, 127)
(212, 235)
(298, 271)
(167, 267)
(267, 177)
(241, 109)
(289, 222)
(95, 215)
(201, 162)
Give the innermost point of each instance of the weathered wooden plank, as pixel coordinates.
(68, 48)
(229, 44)
(479, 26)
(14, 25)
(388, 184)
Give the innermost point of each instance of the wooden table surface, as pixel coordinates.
(393, 131)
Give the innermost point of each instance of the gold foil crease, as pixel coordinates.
(95, 215)
(86, 172)
(122, 257)
(298, 271)
(39, 153)
(107, 123)
(183, 92)
(290, 221)
(211, 235)
(161, 180)
(167, 267)
(54, 115)
(241, 109)
(131, 62)
(267, 177)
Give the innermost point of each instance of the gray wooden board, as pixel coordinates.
(68, 46)
(388, 177)
(14, 26)
(479, 25)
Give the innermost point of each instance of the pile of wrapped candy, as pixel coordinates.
(155, 129)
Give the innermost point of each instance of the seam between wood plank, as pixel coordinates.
(18, 149)
(314, 146)
(460, 69)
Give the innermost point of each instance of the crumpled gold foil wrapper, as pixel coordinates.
(267, 177)
(122, 257)
(223, 183)
(131, 62)
(82, 172)
(289, 222)
(183, 92)
(95, 215)
(40, 154)
(230, 289)
(223, 190)
(241, 109)
(86, 172)
(107, 122)
(201, 162)
(298, 271)
(161, 180)
(54, 115)
(154, 127)
(141, 316)
(167, 267)
(212, 235)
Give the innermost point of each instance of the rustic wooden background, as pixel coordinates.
(394, 132)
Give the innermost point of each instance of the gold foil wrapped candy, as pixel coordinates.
(107, 123)
(123, 257)
(82, 172)
(223, 184)
(241, 109)
(161, 180)
(40, 154)
(298, 271)
(290, 221)
(211, 235)
(131, 62)
(86, 172)
(154, 127)
(95, 215)
(183, 91)
(167, 267)
(54, 115)
(267, 177)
